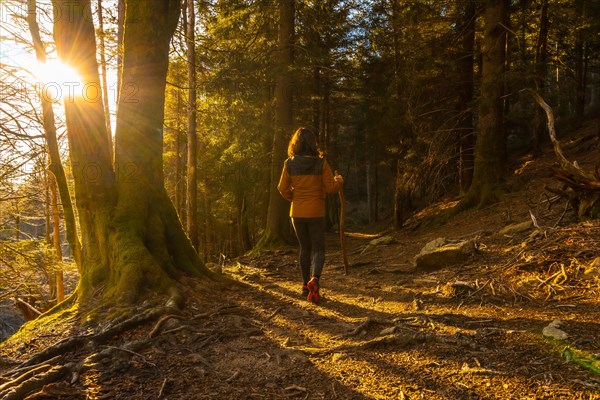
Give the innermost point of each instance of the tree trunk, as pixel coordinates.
(278, 226)
(490, 151)
(120, 27)
(465, 68)
(181, 144)
(210, 244)
(104, 74)
(192, 144)
(133, 241)
(17, 218)
(244, 242)
(47, 201)
(317, 103)
(48, 204)
(371, 181)
(580, 70)
(49, 124)
(58, 276)
(541, 70)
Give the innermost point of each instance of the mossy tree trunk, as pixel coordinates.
(490, 148)
(133, 242)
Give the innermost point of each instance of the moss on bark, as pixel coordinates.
(133, 242)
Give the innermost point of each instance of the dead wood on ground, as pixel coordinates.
(582, 188)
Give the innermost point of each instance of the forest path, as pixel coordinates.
(386, 331)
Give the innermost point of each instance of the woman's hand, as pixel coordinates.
(338, 178)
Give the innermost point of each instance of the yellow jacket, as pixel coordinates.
(304, 181)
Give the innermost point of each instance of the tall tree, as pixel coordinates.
(465, 68)
(490, 150)
(58, 276)
(580, 59)
(278, 226)
(541, 70)
(49, 125)
(133, 241)
(104, 67)
(192, 144)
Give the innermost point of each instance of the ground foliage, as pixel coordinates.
(384, 331)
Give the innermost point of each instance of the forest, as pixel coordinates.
(144, 244)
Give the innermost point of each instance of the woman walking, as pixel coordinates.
(305, 180)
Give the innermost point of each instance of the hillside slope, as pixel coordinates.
(467, 330)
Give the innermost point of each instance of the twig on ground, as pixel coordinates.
(274, 313)
(28, 306)
(232, 377)
(226, 309)
(162, 388)
(563, 214)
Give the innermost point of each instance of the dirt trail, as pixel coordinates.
(382, 332)
(386, 330)
(418, 336)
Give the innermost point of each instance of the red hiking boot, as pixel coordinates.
(313, 290)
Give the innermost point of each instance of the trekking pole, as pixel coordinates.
(342, 236)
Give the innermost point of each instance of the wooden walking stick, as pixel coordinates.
(342, 236)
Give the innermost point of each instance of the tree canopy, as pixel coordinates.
(412, 101)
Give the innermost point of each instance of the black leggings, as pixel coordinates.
(311, 237)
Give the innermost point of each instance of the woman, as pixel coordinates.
(305, 180)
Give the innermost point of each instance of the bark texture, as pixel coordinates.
(192, 148)
(278, 225)
(490, 149)
(465, 69)
(133, 241)
(49, 123)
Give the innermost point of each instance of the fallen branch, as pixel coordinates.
(364, 325)
(586, 186)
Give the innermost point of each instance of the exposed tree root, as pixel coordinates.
(406, 337)
(71, 343)
(25, 376)
(159, 324)
(36, 382)
(21, 370)
(32, 375)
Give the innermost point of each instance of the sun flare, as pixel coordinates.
(56, 79)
